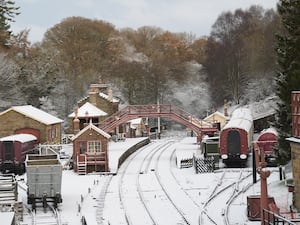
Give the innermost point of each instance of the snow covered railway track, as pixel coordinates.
(224, 192)
(40, 216)
(186, 208)
(130, 192)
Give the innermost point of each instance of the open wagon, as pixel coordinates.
(44, 175)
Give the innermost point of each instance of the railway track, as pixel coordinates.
(230, 185)
(40, 216)
(142, 196)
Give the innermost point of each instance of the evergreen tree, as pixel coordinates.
(8, 11)
(288, 76)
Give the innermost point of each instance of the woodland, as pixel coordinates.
(236, 62)
(249, 55)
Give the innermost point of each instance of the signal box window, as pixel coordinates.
(94, 146)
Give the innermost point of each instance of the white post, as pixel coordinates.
(158, 119)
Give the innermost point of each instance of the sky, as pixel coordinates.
(190, 16)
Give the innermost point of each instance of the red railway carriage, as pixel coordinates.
(267, 141)
(13, 150)
(236, 137)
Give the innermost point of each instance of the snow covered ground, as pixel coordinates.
(95, 197)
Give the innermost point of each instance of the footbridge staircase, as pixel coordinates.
(168, 111)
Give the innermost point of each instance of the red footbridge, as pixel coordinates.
(167, 111)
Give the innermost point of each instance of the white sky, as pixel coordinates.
(191, 16)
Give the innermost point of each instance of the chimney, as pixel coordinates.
(225, 108)
(93, 92)
(76, 122)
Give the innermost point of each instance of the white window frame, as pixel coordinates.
(94, 147)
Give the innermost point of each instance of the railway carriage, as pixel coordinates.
(236, 138)
(267, 141)
(13, 150)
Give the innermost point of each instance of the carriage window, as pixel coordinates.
(94, 146)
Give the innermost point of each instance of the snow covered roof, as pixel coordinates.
(19, 137)
(107, 97)
(263, 108)
(88, 109)
(135, 122)
(35, 114)
(93, 127)
(214, 114)
(270, 130)
(240, 118)
(102, 95)
(293, 139)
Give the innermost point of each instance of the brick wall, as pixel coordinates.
(295, 150)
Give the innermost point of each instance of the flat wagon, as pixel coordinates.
(44, 176)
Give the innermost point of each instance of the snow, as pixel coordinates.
(240, 118)
(6, 218)
(19, 137)
(91, 197)
(35, 113)
(89, 127)
(88, 110)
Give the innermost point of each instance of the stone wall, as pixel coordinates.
(13, 121)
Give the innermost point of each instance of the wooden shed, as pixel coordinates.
(90, 150)
(30, 120)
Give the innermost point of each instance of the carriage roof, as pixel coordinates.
(241, 118)
(19, 137)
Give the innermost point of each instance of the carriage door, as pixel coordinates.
(8, 150)
(233, 142)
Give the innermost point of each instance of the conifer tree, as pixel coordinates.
(288, 76)
(8, 11)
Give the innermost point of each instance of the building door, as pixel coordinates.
(8, 151)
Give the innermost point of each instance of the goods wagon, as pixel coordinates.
(236, 138)
(210, 147)
(13, 150)
(267, 141)
(44, 175)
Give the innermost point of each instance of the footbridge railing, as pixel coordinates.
(142, 111)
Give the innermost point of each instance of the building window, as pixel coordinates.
(94, 147)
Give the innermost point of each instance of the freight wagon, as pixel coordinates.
(44, 175)
(13, 150)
